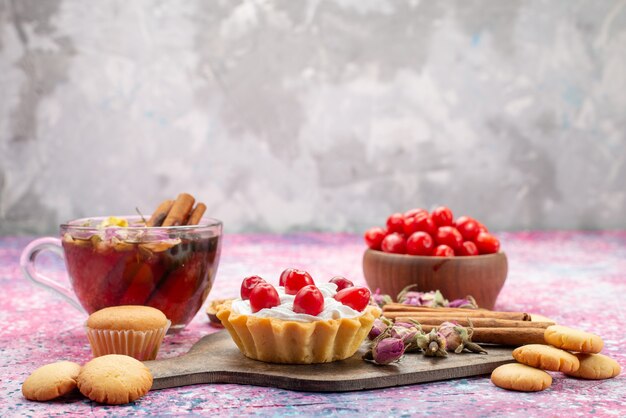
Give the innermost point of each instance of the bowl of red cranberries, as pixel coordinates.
(435, 251)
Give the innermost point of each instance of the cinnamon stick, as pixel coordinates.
(196, 214)
(160, 213)
(468, 313)
(480, 322)
(398, 307)
(504, 336)
(180, 210)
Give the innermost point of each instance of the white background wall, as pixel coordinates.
(314, 115)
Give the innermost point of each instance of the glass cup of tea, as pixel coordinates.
(119, 261)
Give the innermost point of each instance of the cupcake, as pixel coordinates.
(302, 325)
(135, 331)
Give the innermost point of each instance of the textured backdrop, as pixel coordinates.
(314, 115)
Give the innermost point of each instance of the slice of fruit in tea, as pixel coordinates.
(142, 278)
(145, 272)
(176, 293)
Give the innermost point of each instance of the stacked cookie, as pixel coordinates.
(120, 337)
(528, 374)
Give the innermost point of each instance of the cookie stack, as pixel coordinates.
(585, 362)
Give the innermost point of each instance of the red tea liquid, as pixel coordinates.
(175, 280)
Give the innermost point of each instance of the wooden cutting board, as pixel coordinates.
(216, 359)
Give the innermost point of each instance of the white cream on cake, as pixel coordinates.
(332, 308)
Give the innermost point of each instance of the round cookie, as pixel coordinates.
(573, 339)
(596, 366)
(515, 376)
(546, 357)
(114, 379)
(51, 381)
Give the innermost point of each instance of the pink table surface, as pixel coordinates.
(576, 278)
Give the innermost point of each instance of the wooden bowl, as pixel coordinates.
(481, 276)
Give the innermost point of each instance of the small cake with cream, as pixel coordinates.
(298, 322)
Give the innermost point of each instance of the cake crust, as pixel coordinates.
(274, 340)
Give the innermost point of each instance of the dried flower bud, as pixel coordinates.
(410, 338)
(468, 303)
(434, 300)
(433, 344)
(388, 350)
(379, 327)
(381, 299)
(406, 324)
(407, 335)
(452, 335)
(459, 338)
(409, 297)
(431, 299)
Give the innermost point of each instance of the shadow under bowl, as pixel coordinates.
(480, 276)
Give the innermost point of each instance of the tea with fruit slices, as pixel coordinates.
(171, 269)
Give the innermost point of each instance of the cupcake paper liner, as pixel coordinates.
(142, 345)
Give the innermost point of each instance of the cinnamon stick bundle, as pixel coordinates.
(467, 313)
(180, 210)
(504, 336)
(177, 212)
(480, 322)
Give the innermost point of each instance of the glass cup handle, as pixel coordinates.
(27, 264)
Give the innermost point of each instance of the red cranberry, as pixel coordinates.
(450, 236)
(395, 223)
(443, 251)
(394, 243)
(341, 282)
(420, 243)
(374, 237)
